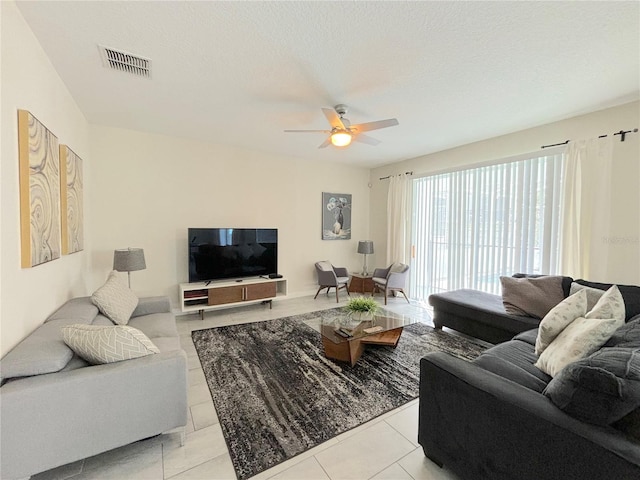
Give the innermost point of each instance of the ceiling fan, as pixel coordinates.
(342, 132)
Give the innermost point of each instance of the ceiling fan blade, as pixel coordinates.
(334, 118)
(367, 127)
(326, 143)
(365, 139)
(308, 131)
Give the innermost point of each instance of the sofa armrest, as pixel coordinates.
(54, 419)
(149, 305)
(486, 427)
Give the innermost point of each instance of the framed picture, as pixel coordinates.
(336, 216)
(39, 191)
(71, 204)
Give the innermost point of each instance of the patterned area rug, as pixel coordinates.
(277, 395)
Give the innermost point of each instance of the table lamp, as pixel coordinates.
(128, 260)
(365, 247)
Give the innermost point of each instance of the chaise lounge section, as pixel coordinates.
(500, 417)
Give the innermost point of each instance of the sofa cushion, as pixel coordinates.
(601, 388)
(584, 335)
(80, 310)
(531, 296)
(148, 305)
(43, 351)
(167, 344)
(529, 336)
(102, 320)
(155, 325)
(593, 294)
(559, 317)
(481, 307)
(630, 424)
(115, 299)
(630, 295)
(99, 344)
(514, 361)
(627, 335)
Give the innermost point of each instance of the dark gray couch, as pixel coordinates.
(490, 420)
(482, 315)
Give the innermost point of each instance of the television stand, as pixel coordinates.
(202, 296)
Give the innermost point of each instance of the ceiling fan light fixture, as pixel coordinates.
(341, 138)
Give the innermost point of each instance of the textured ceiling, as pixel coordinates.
(240, 73)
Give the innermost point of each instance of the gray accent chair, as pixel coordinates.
(331, 277)
(390, 279)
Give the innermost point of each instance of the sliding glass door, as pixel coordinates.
(469, 227)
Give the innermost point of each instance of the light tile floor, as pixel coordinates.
(386, 448)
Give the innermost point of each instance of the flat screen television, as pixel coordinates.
(223, 253)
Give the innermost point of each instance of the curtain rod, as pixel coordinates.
(622, 134)
(389, 176)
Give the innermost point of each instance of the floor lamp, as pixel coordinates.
(129, 260)
(365, 247)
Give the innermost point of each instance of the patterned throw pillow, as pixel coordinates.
(593, 294)
(99, 344)
(559, 317)
(585, 334)
(115, 300)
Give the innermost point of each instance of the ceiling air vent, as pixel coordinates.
(125, 62)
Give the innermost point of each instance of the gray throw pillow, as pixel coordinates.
(531, 297)
(602, 388)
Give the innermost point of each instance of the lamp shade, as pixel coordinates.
(128, 260)
(365, 246)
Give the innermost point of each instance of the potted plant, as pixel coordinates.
(362, 308)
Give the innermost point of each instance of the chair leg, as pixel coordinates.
(385, 296)
(405, 296)
(337, 290)
(321, 287)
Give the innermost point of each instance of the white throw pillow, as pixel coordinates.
(99, 344)
(585, 334)
(593, 294)
(115, 300)
(559, 317)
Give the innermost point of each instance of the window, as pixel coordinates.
(470, 227)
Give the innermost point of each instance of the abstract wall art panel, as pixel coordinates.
(336, 216)
(71, 205)
(39, 191)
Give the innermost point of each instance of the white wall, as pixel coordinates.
(621, 241)
(30, 82)
(148, 189)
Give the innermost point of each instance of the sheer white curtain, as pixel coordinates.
(397, 218)
(472, 226)
(586, 207)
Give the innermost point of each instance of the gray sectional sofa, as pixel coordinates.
(502, 418)
(55, 408)
(482, 315)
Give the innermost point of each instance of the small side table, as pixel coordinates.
(361, 283)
